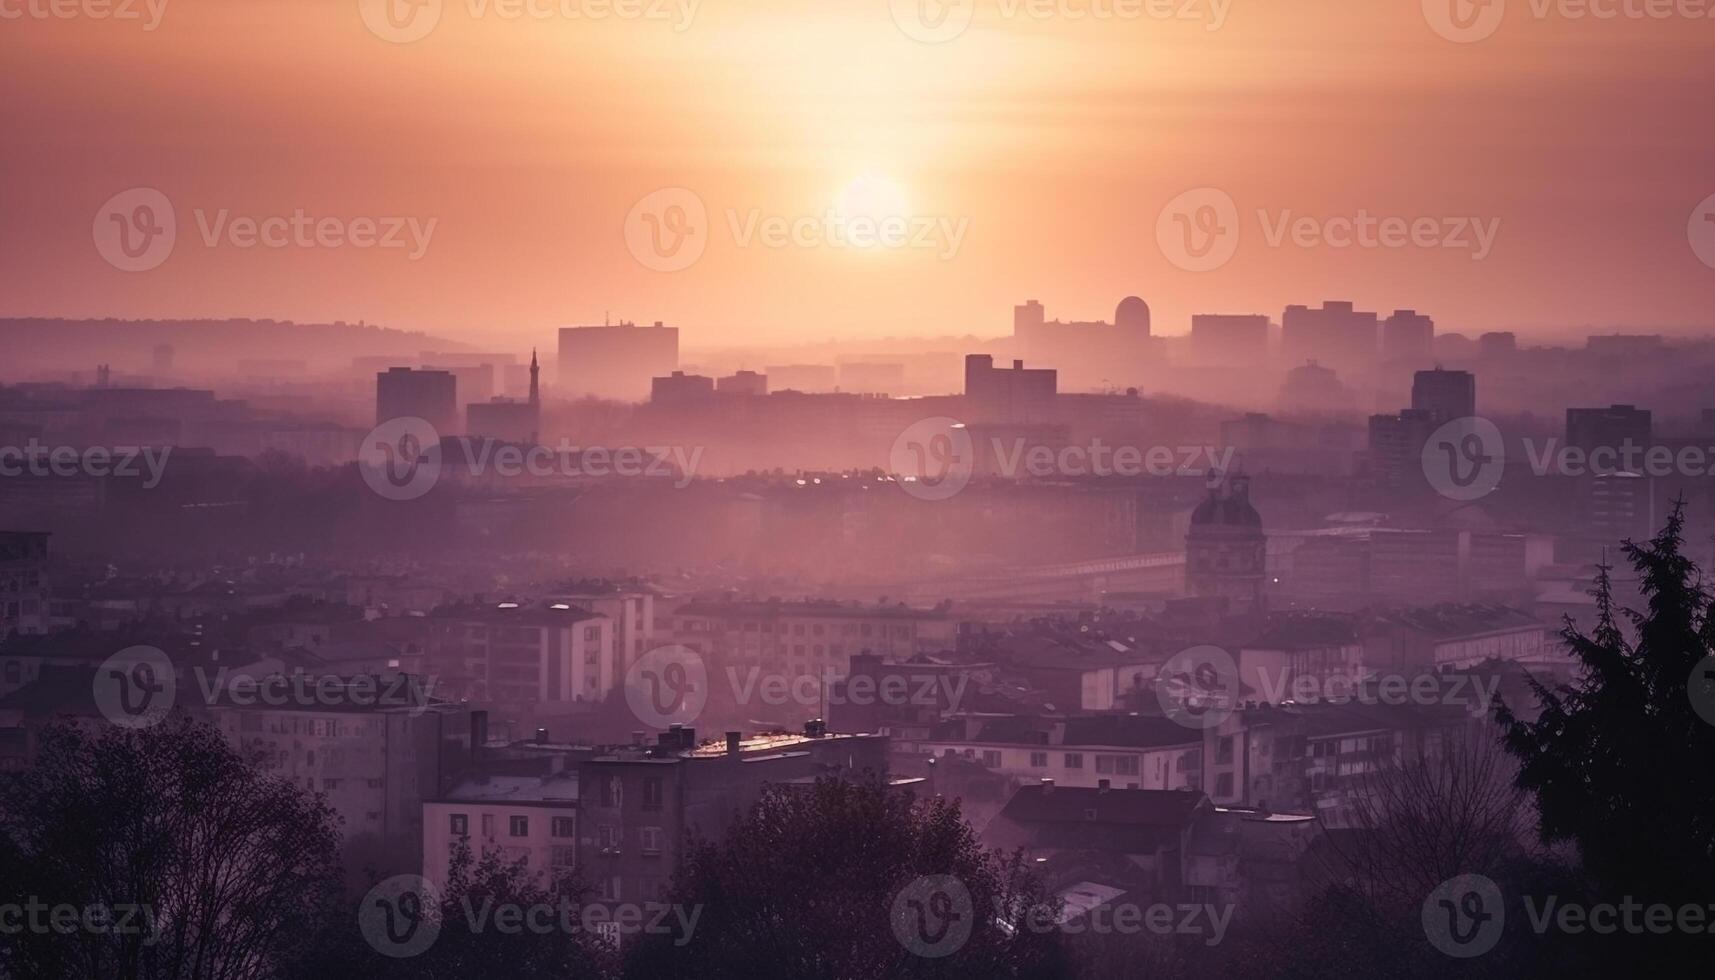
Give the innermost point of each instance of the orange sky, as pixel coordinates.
(1053, 143)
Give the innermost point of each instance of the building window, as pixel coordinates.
(1224, 784)
(650, 839)
(1074, 760)
(1224, 750)
(488, 825)
(652, 792)
(991, 758)
(459, 824)
(607, 837)
(610, 888)
(519, 827)
(562, 827)
(1038, 760)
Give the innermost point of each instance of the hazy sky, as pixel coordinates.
(1030, 156)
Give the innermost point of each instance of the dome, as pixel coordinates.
(1132, 314)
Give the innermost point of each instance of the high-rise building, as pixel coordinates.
(1444, 395)
(1408, 335)
(1612, 428)
(1018, 394)
(1229, 340)
(23, 583)
(429, 395)
(1335, 334)
(1396, 447)
(742, 383)
(616, 362)
(680, 388)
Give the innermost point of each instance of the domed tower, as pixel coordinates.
(1132, 316)
(1225, 548)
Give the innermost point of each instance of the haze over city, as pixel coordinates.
(856, 490)
(527, 135)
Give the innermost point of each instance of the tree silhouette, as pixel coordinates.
(205, 867)
(1622, 764)
(835, 880)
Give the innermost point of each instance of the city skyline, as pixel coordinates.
(1011, 161)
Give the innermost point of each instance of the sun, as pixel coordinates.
(871, 196)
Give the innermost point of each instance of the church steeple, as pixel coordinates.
(535, 382)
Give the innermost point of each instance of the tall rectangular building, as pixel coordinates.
(1408, 335)
(429, 395)
(1000, 395)
(1609, 428)
(1336, 334)
(1444, 395)
(616, 362)
(1229, 340)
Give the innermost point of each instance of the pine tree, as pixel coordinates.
(1621, 763)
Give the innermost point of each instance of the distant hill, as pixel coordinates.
(41, 344)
